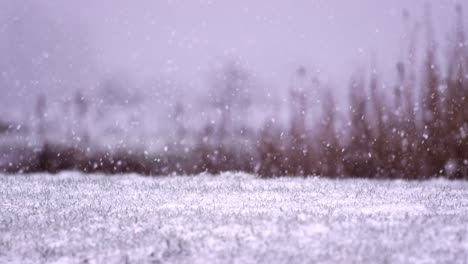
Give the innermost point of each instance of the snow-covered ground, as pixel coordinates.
(232, 218)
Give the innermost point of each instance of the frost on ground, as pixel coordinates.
(73, 218)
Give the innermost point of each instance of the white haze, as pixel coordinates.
(60, 47)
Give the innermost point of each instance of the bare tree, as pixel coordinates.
(358, 155)
(40, 114)
(230, 97)
(299, 148)
(432, 144)
(330, 153)
(82, 108)
(456, 101)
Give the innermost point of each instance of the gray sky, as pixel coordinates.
(182, 40)
(270, 36)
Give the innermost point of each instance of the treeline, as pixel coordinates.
(418, 128)
(413, 129)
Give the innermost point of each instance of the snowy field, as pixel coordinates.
(232, 218)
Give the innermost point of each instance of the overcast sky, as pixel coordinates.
(183, 40)
(269, 36)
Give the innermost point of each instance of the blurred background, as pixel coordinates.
(333, 88)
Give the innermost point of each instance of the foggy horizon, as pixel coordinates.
(69, 46)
